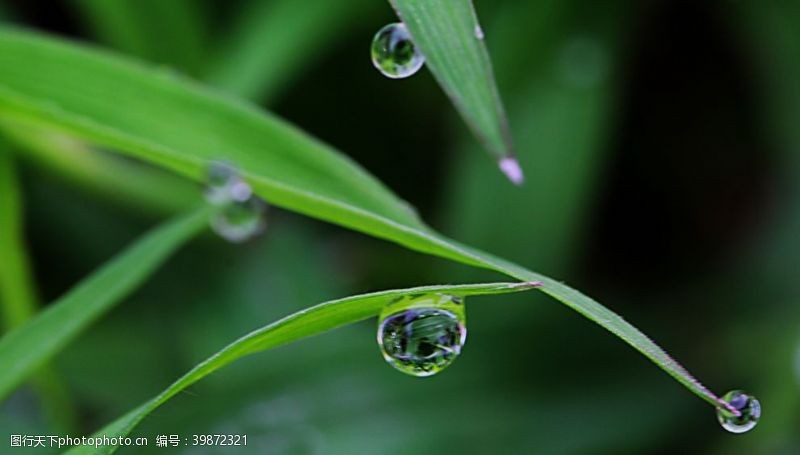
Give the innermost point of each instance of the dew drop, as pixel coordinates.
(241, 213)
(218, 182)
(512, 170)
(422, 335)
(394, 53)
(478, 32)
(240, 221)
(748, 407)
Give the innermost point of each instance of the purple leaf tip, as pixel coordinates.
(512, 170)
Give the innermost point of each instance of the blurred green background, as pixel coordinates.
(662, 153)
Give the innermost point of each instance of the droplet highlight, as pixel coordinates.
(394, 54)
(479, 32)
(422, 335)
(241, 215)
(749, 412)
(512, 170)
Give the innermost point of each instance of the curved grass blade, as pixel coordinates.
(16, 285)
(171, 32)
(178, 125)
(139, 187)
(272, 40)
(447, 32)
(18, 296)
(30, 345)
(309, 322)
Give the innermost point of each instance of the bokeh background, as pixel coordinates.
(662, 151)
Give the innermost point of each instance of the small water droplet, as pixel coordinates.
(241, 213)
(422, 335)
(479, 32)
(748, 407)
(394, 53)
(218, 180)
(240, 221)
(511, 168)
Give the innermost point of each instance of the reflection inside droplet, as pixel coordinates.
(422, 335)
(748, 407)
(394, 53)
(241, 214)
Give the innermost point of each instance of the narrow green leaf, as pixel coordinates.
(18, 296)
(30, 345)
(309, 322)
(271, 40)
(168, 32)
(16, 286)
(109, 177)
(449, 36)
(173, 123)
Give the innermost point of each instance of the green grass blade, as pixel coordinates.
(18, 296)
(170, 32)
(449, 35)
(173, 123)
(272, 40)
(30, 345)
(110, 177)
(16, 286)
(309, 322)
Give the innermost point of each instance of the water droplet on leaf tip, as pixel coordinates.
(512, 170)
(749, 412)
(393, 52)
(421, 336)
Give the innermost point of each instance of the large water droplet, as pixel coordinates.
(393, 52)
(748, 407)
(241, 213)
(422, 335)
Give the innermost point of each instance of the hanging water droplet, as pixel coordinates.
(241, 214)
(512, 170)
(748, 407)
(422, 335)
(478, 31)
(394, 53)
(240, 221)
(224, 184)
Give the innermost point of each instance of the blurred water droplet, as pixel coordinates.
(583, 62)
(241, 213)
(221, 176)
(240, 221)
(422, 335)
(479, 32)
(748, 407)
(394, 53)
